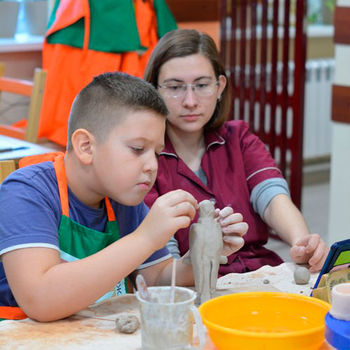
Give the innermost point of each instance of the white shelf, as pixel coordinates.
(320, 31)
(21, 43)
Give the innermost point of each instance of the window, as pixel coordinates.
(321, 11)
(32, 17)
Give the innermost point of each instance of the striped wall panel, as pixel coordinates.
(341, 87)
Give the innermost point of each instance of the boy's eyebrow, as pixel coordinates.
(145, 139)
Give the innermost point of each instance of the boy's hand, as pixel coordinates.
(233, 228)
(169, 213)
(310, 250)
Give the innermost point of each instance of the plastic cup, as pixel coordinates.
(166, 325)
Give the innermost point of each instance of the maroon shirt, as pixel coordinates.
(235, 161)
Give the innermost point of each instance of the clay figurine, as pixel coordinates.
(205, 239)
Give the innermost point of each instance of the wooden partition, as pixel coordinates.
(263, 46)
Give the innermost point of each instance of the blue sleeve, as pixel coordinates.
(129, 218)
(173, 247)
(29, 216)
(265, 191)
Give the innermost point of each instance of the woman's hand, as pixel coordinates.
(310, 250)
(233, 228)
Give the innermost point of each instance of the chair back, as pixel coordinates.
(6, 168)
(34, 90)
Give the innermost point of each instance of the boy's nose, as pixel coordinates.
(151, 164)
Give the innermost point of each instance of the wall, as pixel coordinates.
(339, 218)
(21, 64)
(20, 59)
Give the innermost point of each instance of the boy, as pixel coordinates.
(69, 210)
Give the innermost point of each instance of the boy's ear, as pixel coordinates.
(83, 144)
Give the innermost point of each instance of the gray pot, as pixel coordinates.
(8, 18)
(36, 16)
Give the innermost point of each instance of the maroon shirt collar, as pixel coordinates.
(211, 138)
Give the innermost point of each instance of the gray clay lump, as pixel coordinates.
(127, 323)
(301, 275)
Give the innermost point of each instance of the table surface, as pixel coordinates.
(29, 150)
(94, 327)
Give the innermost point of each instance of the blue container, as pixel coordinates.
(337, 332)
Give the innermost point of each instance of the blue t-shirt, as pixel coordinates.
(30, 213)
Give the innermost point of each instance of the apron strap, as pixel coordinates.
(87, 20)
(12, 313)
(62, 183)
(39, 158)
(110, 211)
(63, 189)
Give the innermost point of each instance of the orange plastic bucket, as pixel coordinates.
(265, 321)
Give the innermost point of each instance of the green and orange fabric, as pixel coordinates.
(89, 37)
(11, 313)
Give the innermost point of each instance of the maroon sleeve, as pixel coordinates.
(259, 164)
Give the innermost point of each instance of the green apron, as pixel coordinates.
(77, 241)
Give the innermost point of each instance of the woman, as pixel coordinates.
(221, 160)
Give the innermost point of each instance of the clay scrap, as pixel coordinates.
(127, 323)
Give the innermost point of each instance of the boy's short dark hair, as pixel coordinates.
(103, 103)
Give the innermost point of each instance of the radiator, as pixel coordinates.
(317, 112)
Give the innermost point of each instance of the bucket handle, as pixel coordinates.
(200, 327)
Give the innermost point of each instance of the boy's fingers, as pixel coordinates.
(178, 196)
(174, 199)
(182, 221)
(185, 208)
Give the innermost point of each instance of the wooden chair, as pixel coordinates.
(33, 89)
(6, 168)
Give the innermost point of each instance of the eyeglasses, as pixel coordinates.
(178, 90)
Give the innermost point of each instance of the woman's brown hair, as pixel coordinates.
(185, 42)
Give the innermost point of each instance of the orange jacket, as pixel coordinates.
(85, 38)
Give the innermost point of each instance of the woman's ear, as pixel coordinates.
(83, 143)
(222, 84)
